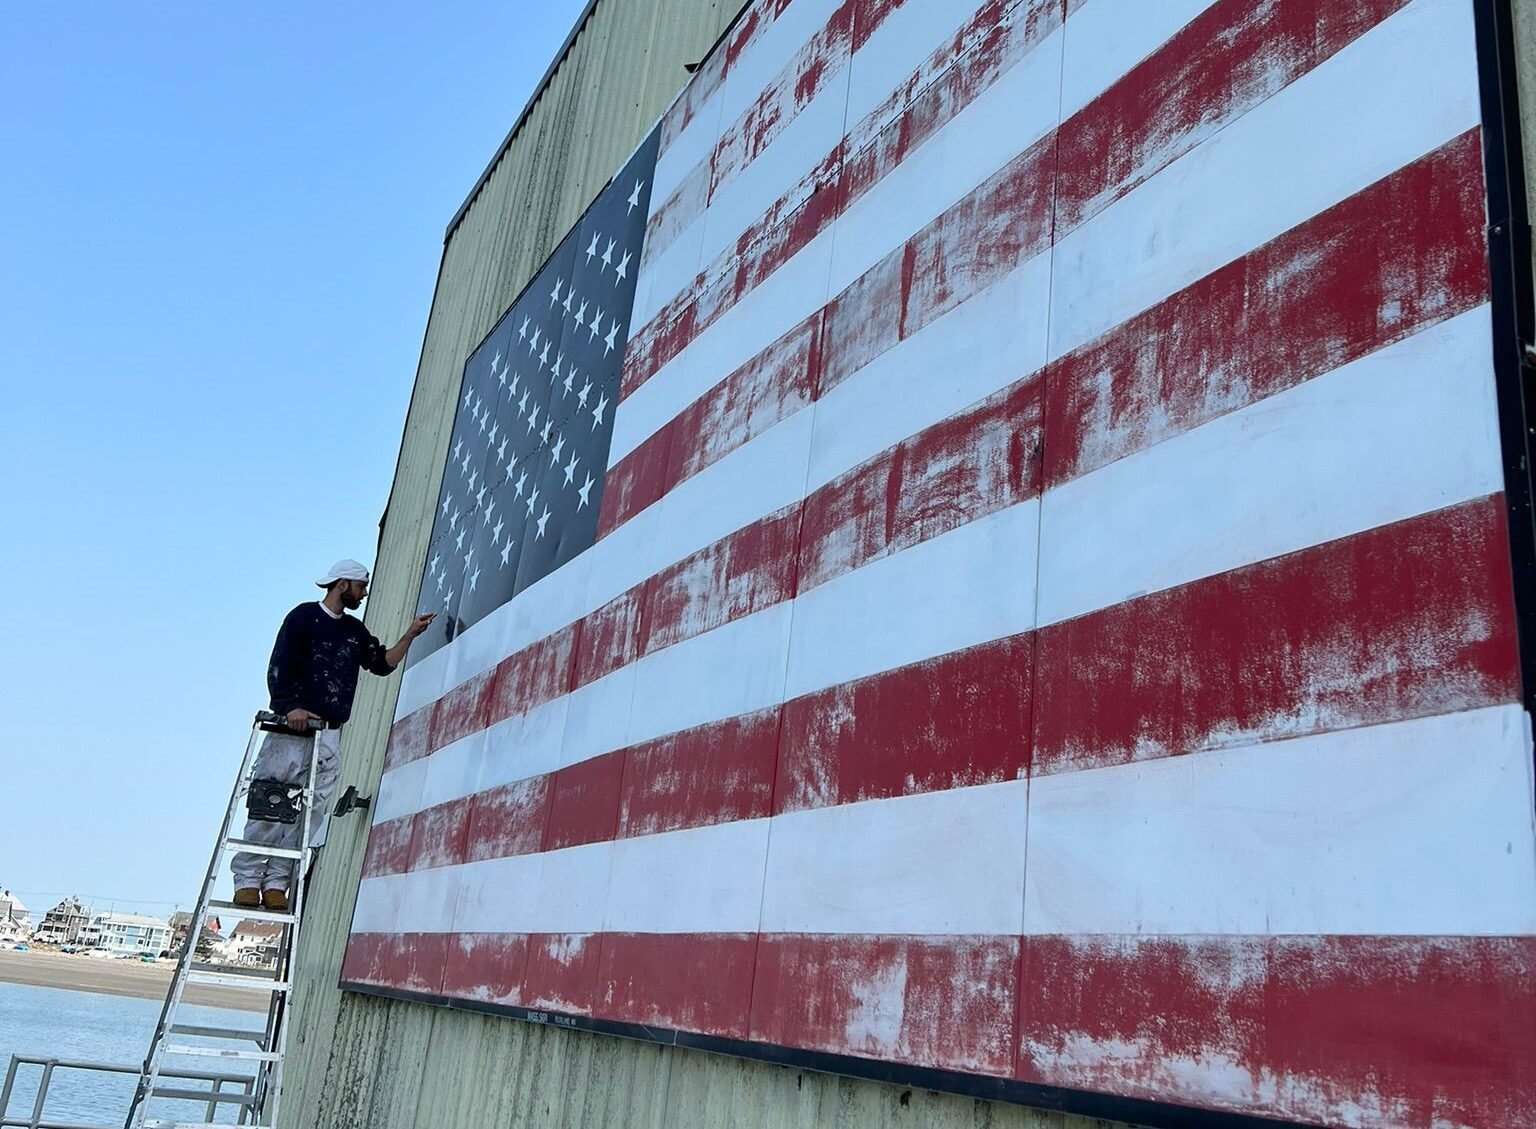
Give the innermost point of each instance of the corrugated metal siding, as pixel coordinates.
(358, 1061)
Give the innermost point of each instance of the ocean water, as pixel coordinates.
(58, 1023)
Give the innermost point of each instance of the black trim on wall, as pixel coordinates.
(1509, 260)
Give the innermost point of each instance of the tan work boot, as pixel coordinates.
(274, 899)
(248, 896)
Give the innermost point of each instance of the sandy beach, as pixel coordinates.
(115, 978)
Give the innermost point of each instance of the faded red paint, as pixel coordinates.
(407, 962)
(637, 481)
(440, 836)
(1415, 1032)
(945, 1002)
(562, 971)
(716, 773)
(1401, 255)
(1412, 619)
(742, 573)
(951, 722)
(462, 710)
(508, 820)
(689, 982)
(389, 847)
(410, 738)
(1226, 61)
(960, 469)
(486, 967)
(584, 802)
(538, 673)
(610, 637)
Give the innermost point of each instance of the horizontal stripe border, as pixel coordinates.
(1083, 1103)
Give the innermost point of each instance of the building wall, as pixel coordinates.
(359, 1061)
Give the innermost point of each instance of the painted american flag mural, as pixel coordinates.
(1043, 609)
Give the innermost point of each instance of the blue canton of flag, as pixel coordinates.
(523, 480)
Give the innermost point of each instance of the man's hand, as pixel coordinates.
(396, 654)
(420, 624)
(298, 720)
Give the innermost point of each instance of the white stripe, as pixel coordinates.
(906, 39)
(968, 586)
(1339, 128)
(907, 865)
(1408, 429)
(1106, 38)
(1419, 827)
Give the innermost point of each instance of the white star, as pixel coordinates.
(554, 295)
(533, 417)
(565, 387)
(584, 490)
(522, 405)
(474, 577)
(581, 397)
(533, 342)
(458, 449)
(495, 430)
(474, 474)
(501, 452)
(448, 599)
(548, 427)
(453, 522)
(469, 557)
(511, 466)
(481, 421)
(544, 356)
(496, 529)
(447, 501)
(522, 478)
(480, 498)
(570, 292)
(608, 252)
(570, 470)
(502, 378)
(623, 267)
(533, 500)
(592, 250)
(554, 452)
(543, 521)
(597, 411)
(496, 364)
(634, 197)
(469, 394)
(506, 551)
(439, 580)
(555, 368)
(613, 330)
(459, 541)
(433, 566)
(515, 379)
(464, 466)
(522, 331)
(596, 326)
(581, 315)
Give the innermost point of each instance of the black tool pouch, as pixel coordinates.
(274, 801)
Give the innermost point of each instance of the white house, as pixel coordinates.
(15, 920)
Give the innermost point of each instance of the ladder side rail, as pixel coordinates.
(139, 1106)
(290, 947)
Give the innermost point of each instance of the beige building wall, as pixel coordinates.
(357, 1061)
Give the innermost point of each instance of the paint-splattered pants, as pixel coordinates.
(285, 756)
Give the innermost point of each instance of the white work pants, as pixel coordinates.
(285, 756)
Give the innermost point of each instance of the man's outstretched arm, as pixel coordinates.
(396, 654)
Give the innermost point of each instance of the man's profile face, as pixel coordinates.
(353, 593)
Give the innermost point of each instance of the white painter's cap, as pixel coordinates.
(343, 570)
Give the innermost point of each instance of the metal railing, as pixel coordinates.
(240, 1093)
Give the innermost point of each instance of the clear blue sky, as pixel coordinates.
(219, 231)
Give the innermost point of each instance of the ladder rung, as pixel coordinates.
(250, 972)
(225, 981)
(254, 913)
(262, 849)
(229, 1097)
(258, 1037)
(196, 1125)
(220, 1052)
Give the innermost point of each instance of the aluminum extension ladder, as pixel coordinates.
(271, 1040)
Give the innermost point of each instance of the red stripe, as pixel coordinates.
(694, 982)
(486, 967)
(407, 962)
(508, 820)
(562, 972)
(1406, 620)
(1370, 1031)
(1411, 243)
(1403, 254)
(944, 1002)
(713, 774)
(584, 802)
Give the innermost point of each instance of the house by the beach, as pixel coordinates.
(64, 923)
(128, 934)
(15, 920)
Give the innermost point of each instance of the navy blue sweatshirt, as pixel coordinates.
(316, 659)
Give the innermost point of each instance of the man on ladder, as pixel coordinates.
(312, 678)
